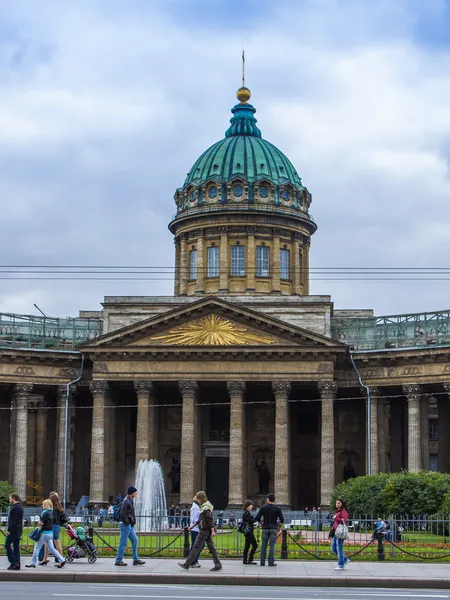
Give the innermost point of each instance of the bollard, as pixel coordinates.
(187, 542)
(380, 556)
(284, 547)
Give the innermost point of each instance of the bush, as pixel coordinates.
(400, 493)
(5, 490)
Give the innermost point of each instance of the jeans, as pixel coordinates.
(337, 547)
(204, 537)
(46, 538)
(194, 536)
(250, 541)
(56, 531)
(127, 533)
(12, 542)
(268, 535)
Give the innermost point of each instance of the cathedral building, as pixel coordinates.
(241, 382)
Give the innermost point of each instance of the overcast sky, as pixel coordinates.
(106, 104)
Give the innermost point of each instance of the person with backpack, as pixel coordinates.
(127, 523)
(247, 527)
(338, 533)
(206, 534)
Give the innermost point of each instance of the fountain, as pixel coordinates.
(151, 505)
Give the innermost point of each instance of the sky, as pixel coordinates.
(106, 104)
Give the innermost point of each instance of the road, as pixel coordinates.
(80, 591)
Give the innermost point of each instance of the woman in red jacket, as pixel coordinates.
(337, 544)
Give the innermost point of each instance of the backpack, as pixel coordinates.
(243, 528)
(116, 512)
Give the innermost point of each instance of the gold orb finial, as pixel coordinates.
(243, 94)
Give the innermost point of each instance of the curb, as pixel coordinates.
(223, 579)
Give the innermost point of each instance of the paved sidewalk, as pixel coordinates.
(289, 573)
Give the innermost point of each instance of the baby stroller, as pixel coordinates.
(83, 545)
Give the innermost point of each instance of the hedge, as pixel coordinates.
(5, 490)
(400, 493)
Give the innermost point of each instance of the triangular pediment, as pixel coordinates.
(212, 322)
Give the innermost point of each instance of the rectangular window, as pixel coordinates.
(262, 261)
(284, 264)
(213, 261)
(237, 260)
(433, 464)
(433, 430)
(193, 264)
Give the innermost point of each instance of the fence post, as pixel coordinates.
(380, 557)
(187, 542)
(284, 547)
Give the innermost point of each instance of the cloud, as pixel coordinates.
(104, 110)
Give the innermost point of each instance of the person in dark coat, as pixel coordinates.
(249, 533)
(14, 532)
(127, 523)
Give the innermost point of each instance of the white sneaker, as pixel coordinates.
(338, 568)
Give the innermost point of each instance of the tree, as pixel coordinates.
(5, 490)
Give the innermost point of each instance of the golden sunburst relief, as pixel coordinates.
(211, 331)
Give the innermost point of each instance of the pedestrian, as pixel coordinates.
(306, 513)
(46, 525)
(171, 516)
(249, 535)
(194, 517)
(110, 513)
(101, 516)
(232, 521)
(337, 542)
(185, 519)
(206, 534)
(220, 520)
(127, 523)
(119, 499)
(14, 532)
(59, 518)
(272, 518)
(177, 517)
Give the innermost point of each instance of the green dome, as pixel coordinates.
(243, 154)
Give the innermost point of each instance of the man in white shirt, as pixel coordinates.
(194, 516)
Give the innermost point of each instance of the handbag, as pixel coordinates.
(35, 535)
(341, 532)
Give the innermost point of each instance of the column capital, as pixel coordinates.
(188, 388)
(98, 388)
(199, 232)
(236, 388)
(223, 230)
(327, 388)
(42, 406)
(412, 391)
(281, 388)
(22, 390)
(144, 387)
(376, 391)
(446, 387)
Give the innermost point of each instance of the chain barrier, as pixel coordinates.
(318, 556)
(436, 557)
(147, 555)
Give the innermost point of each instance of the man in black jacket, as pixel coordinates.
(14, 532)
(127, 523)
(272, 518)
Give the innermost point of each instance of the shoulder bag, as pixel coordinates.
(341, 531)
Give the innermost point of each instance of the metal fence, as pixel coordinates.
(304, 536)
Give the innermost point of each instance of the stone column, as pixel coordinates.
(413, 393)
(41, 438)
(190, 442)
(251, 259)
(443, 429)
(282, 481)
(237, 488)
(61, 441)
(146, 430)
(374, 430)
(177, 266)
(297, 265)
(31, 447)
(12, 439)
(327, 391)
(305, 255)
(22, 394)
(184, 266)
(383, 430)
(424, 431)
(98, 390)
(276, 285)
(223, 264)
(200, 283)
